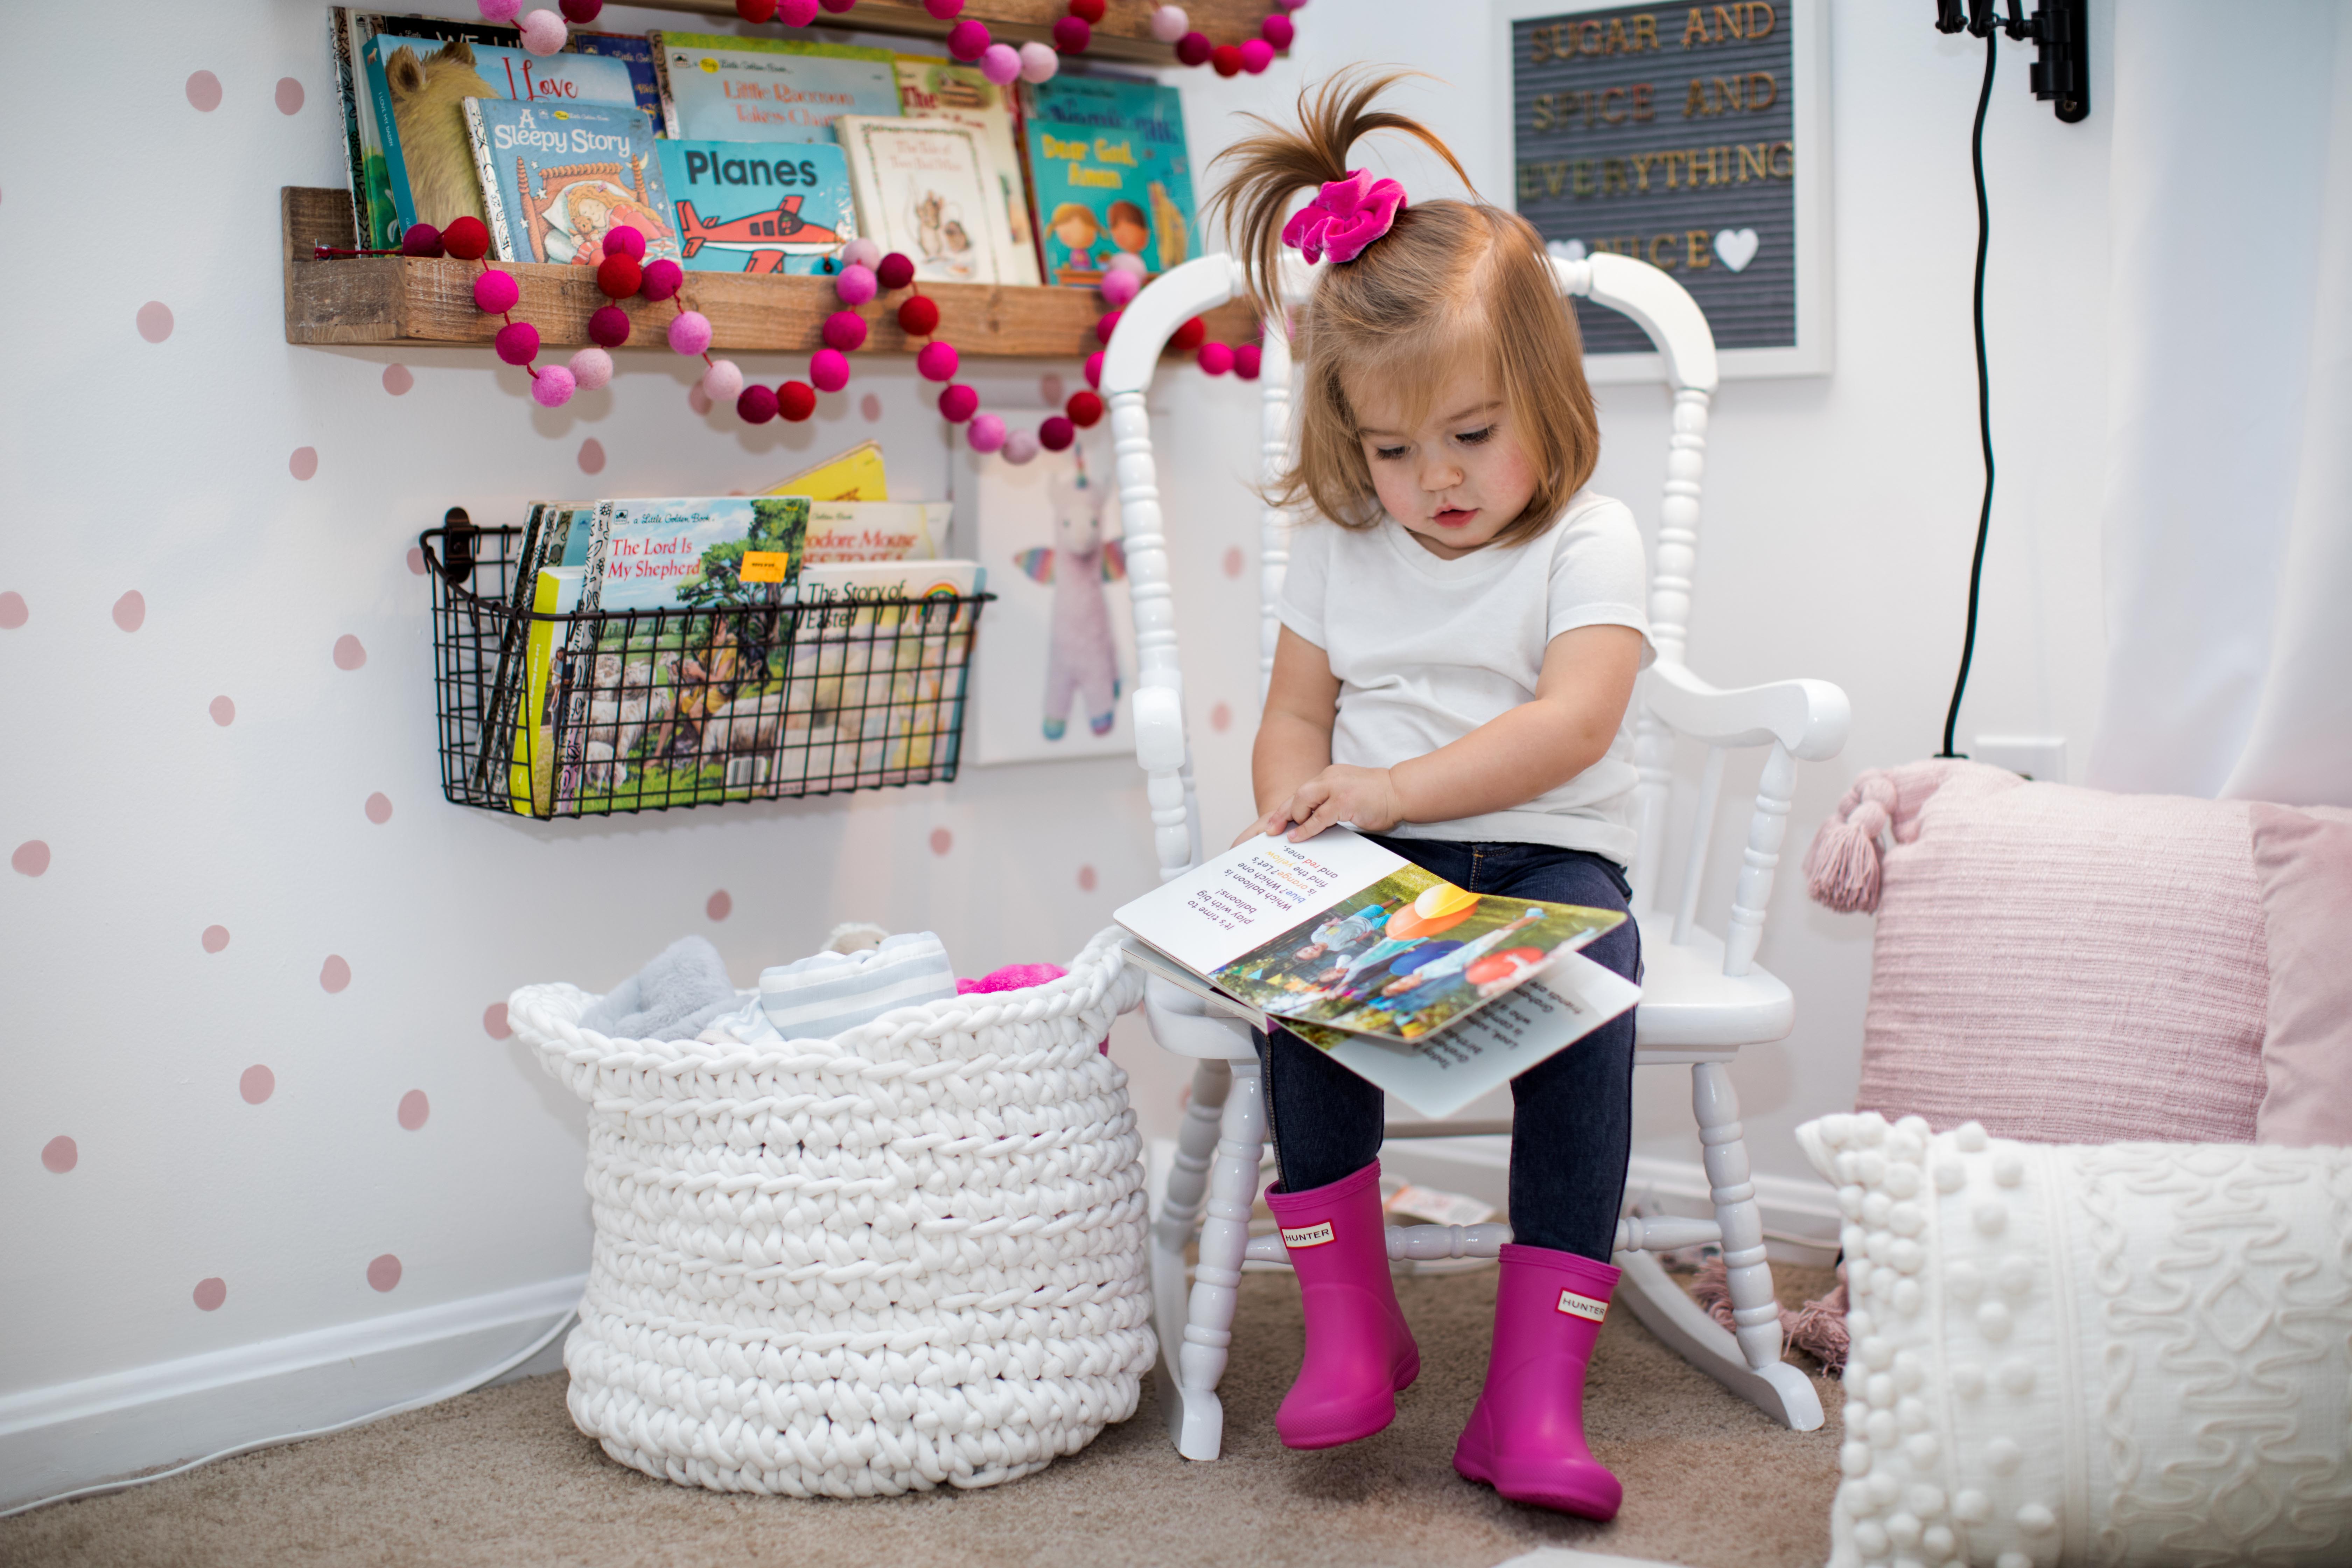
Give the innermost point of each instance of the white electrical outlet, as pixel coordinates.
(2041, 757)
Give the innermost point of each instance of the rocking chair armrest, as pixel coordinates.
(1808, 717)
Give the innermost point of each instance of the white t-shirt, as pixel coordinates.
(1427, 649)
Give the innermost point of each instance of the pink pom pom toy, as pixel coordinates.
(1256, 54)
(592, 368)
(661, 279)
(722, 381)
(938, 362)
(1118, 287)
(691, 334)
(1247, 361)
(1072, 35)
(1020, 447)
(609, 327)
(958, 403)
(499, 12)
(846, 331)
(855, 285)
(552, 386)
(828, 370)
(1001, 63)
(944, 10)
(1038, 62)
(622, 240)
(518, 343)
(1056, 432)
(495, 292)
(796, 13)
(1169, 24)
(862, 251)
(1126, 261)
(543, 32)
(1094, 368)
(755, 404)
(966, 41)
(987, 433)
(1215, 358)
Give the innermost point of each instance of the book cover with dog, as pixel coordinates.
(927, 188)
(1108, 174)
(759, 207)
(719, 88)
(561, 178)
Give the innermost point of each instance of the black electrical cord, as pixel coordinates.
(1984, 392)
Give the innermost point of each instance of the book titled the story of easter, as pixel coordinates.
(1430, 991)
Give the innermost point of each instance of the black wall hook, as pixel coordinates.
(2061, 32)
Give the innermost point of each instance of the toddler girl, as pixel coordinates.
(1461, 630)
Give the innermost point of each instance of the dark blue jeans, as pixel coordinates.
(1573, 1111)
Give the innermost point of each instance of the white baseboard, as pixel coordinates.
(71, 1435)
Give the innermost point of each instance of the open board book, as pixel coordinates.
(1432, 993)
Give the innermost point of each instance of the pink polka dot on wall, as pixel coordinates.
(289, 96)
(398, 379)
(215, 938)
(210, 1293)
(304, 463)
(379, 808)
(349, 654)
(154, 321)
(1233, 561)
(718, 906)
(32, 858)
(942, 840)
(384, 1272)
(13, 613)
(1050, 388)
(203, 92)
(131, 611)
(1221, 718)
(224, 711)
(591, 456)
(60, 1154)
(334, 974)
(1087, 878)
(494, 1021)
(870, 406)
(413, 1110)
(415, 561)
(256, 1084)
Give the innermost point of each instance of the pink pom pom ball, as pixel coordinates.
(661, 279)
(894, 270)
(691, 334)
(552, 386)
(861, 252)
(1001, 63)
(1105, 325)
(796, 13)
(495, 292)
(755, 404)
(1215, 358)
(966, 41)
(856, 284)
(1256, 54)
(1056, 433)
(422, 239)
(722, 381)
(937, 362)
(829, 370)
(543, 32)
(844, 330)
(1290, 5)
(1194, 48)
(500, 12)
(958, 403)
(1071, 34)
(518, 343)
(837, 6)
(467, 239)
(580, 12)
(1094, 369)
(609, 327)
(1118, 287)
(1278, 30)
(796, 400)
(622, 240)
(1169, 24)
(944, 10)
(987, 433)
(1247, 360)
(1126, 261)
(592, 368)
(1020, 447)
(1038, 62)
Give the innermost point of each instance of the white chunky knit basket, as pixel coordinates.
(908, 1257)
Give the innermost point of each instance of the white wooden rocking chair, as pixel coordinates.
(1703, 995)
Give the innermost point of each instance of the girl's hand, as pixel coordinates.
(1365, 798)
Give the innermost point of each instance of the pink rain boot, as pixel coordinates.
(1359, 1355)
(1526, 1438)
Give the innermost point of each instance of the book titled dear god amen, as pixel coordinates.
(1432, 991)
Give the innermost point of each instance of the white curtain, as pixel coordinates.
(2228, 527)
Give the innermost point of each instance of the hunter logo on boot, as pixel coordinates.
(1584, 1307)
(1308, 1235)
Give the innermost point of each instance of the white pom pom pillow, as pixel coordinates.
(2127, 1353)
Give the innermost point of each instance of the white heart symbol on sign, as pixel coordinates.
(1566, 249)
(1737, 247)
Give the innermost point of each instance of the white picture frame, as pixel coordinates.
(1813, 353)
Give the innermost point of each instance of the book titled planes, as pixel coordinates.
(759, 207)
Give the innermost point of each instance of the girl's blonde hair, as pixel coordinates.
(1450, 281)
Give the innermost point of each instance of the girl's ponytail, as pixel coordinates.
(1274, 164)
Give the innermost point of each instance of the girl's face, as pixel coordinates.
(1459, 477)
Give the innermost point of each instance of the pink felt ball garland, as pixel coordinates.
(971, 41)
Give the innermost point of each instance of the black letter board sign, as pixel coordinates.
(1688, 137)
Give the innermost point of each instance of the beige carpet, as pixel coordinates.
(503, 1478)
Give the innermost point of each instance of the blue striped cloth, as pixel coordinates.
(819, 996)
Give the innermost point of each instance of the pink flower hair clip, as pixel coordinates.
(1344, 216)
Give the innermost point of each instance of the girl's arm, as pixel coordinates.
(1293, 734)
(1580, 699)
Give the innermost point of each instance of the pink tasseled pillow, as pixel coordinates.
(2303, 862)
(2062, 964)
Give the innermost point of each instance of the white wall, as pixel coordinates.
(1840, 511)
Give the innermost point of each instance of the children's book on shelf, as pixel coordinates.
(560, 177)
(720, 88)
(960, 95)
(877, 670)
(927, 188)
(634, 50)
(531, 771)
(759, 207)
(862, 531)
(1391, 969)
(1107, 173)
(419, 86)
(856, 474)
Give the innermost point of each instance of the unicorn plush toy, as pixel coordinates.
(1081, 660)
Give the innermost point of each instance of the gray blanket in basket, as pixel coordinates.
(674, 997)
